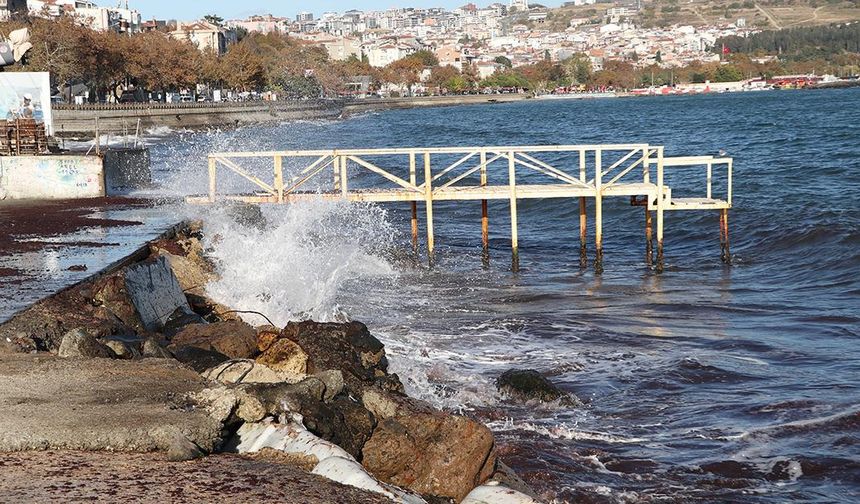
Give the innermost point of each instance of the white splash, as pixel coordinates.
(294, 267)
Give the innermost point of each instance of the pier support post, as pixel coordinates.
(649, 232)
(598, 212)
(725, 251)
(212, 181)
(583, 221)
(413, 180)
(661, 201)
(428, 201)
(649, 237)
(279, 178)
(485, 219)
(512, 180)
(344, 188)
(336, 170)
(583, 235)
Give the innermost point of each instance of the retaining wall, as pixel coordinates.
(80, 121)
(51, 177)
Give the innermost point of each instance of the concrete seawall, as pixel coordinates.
(358, 106)
(80, 121)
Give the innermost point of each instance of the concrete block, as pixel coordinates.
(51, 177)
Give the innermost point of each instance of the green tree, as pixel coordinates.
(728, 73)
(214, 19)
(503, 60)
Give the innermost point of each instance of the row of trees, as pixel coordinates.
(802, 43)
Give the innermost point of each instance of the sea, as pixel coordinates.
(706, 383)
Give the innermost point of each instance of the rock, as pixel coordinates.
(284, 398)
(123, 349)
(348, 347)
(248, 371)
(80, 343)
(152, 349)
(111, 293)
(191, 275)
(235, 339)
(432, 454)
(210, 310)
(529, 385)
(333, 380)
(284, 355)
(179, 320)
(181, 450)
(506, 477)
(229, 406)
(343, 421)
(199, 359)
(155, 292)
(385, 405)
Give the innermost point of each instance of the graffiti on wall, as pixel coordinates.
(51, 177)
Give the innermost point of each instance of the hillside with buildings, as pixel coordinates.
(581, 44)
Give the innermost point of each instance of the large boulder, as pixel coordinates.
(348, 347)
(529, 385)
(235, 339)
(248, 371)
(342, 421)
(199, 359)
(280, 353)
(432, 454)
(80, 343)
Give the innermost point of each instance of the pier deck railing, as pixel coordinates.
(481, 173)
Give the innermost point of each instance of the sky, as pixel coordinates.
(232, 9)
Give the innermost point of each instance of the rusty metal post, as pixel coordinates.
(598, 212)
(428, 202)
(583, 220)
(649, 238)
(512, 180)
(725, 252)
(414, 181)
(661, 201)
(485, 219)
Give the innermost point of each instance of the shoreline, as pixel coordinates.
(79, 122)
(314, 396)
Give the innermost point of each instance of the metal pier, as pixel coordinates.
(635, 171)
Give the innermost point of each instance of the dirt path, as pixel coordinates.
(769, 17)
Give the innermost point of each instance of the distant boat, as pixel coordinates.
(577, 96)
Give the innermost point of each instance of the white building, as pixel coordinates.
(120, 19)
(520, 5)
(205, 36)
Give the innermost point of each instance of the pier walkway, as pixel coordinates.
(640, 172)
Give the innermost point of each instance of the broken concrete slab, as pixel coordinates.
(99, 404)
(155, 292)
